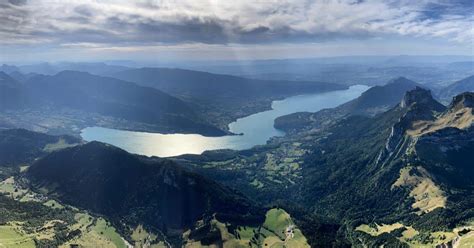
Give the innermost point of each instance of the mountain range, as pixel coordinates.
(118, 98)
(89, 94)
(458, 87)
(148, 99)
(222, 98)
(44, 68)
(390, 168)
(374, 101)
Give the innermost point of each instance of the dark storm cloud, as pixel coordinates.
(187, 30)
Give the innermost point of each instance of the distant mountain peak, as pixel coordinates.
(382, 97)
(401, 80)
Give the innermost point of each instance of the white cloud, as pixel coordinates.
(221, 21)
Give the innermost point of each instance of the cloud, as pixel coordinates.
(132, 23)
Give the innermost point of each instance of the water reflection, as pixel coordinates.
(257, 128)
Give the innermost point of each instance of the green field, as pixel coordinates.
(61, 144)
(11, 237)
(271, 234)
(95, 233)
(277, 221)
(53, 204)
(104, 228)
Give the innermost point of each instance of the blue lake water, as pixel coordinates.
(256, 128)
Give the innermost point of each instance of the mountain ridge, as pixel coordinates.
(134, 190)
(456, 88)
(90, 94)
(373, 101)
(222, 98)
(400, 166)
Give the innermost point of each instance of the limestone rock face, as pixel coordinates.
(464, 100)
(419, 106)
(421, 97)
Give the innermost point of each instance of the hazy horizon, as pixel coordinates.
(39, 30)
(448, 58)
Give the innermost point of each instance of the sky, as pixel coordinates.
(90, 30)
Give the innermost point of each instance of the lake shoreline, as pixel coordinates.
(249, 131)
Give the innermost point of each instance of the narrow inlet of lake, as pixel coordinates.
(256, 128)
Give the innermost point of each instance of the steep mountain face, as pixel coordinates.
(108, 97)
(421, 98)
(223, 98)
(11, 93)
(447, 142)
(420, 180)
(133, 190)
(418, 106)
(376, 100)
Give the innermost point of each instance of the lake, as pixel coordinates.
(256, 128)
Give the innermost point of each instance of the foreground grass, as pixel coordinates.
(10, 236)
(427, 195)
(95, 233)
